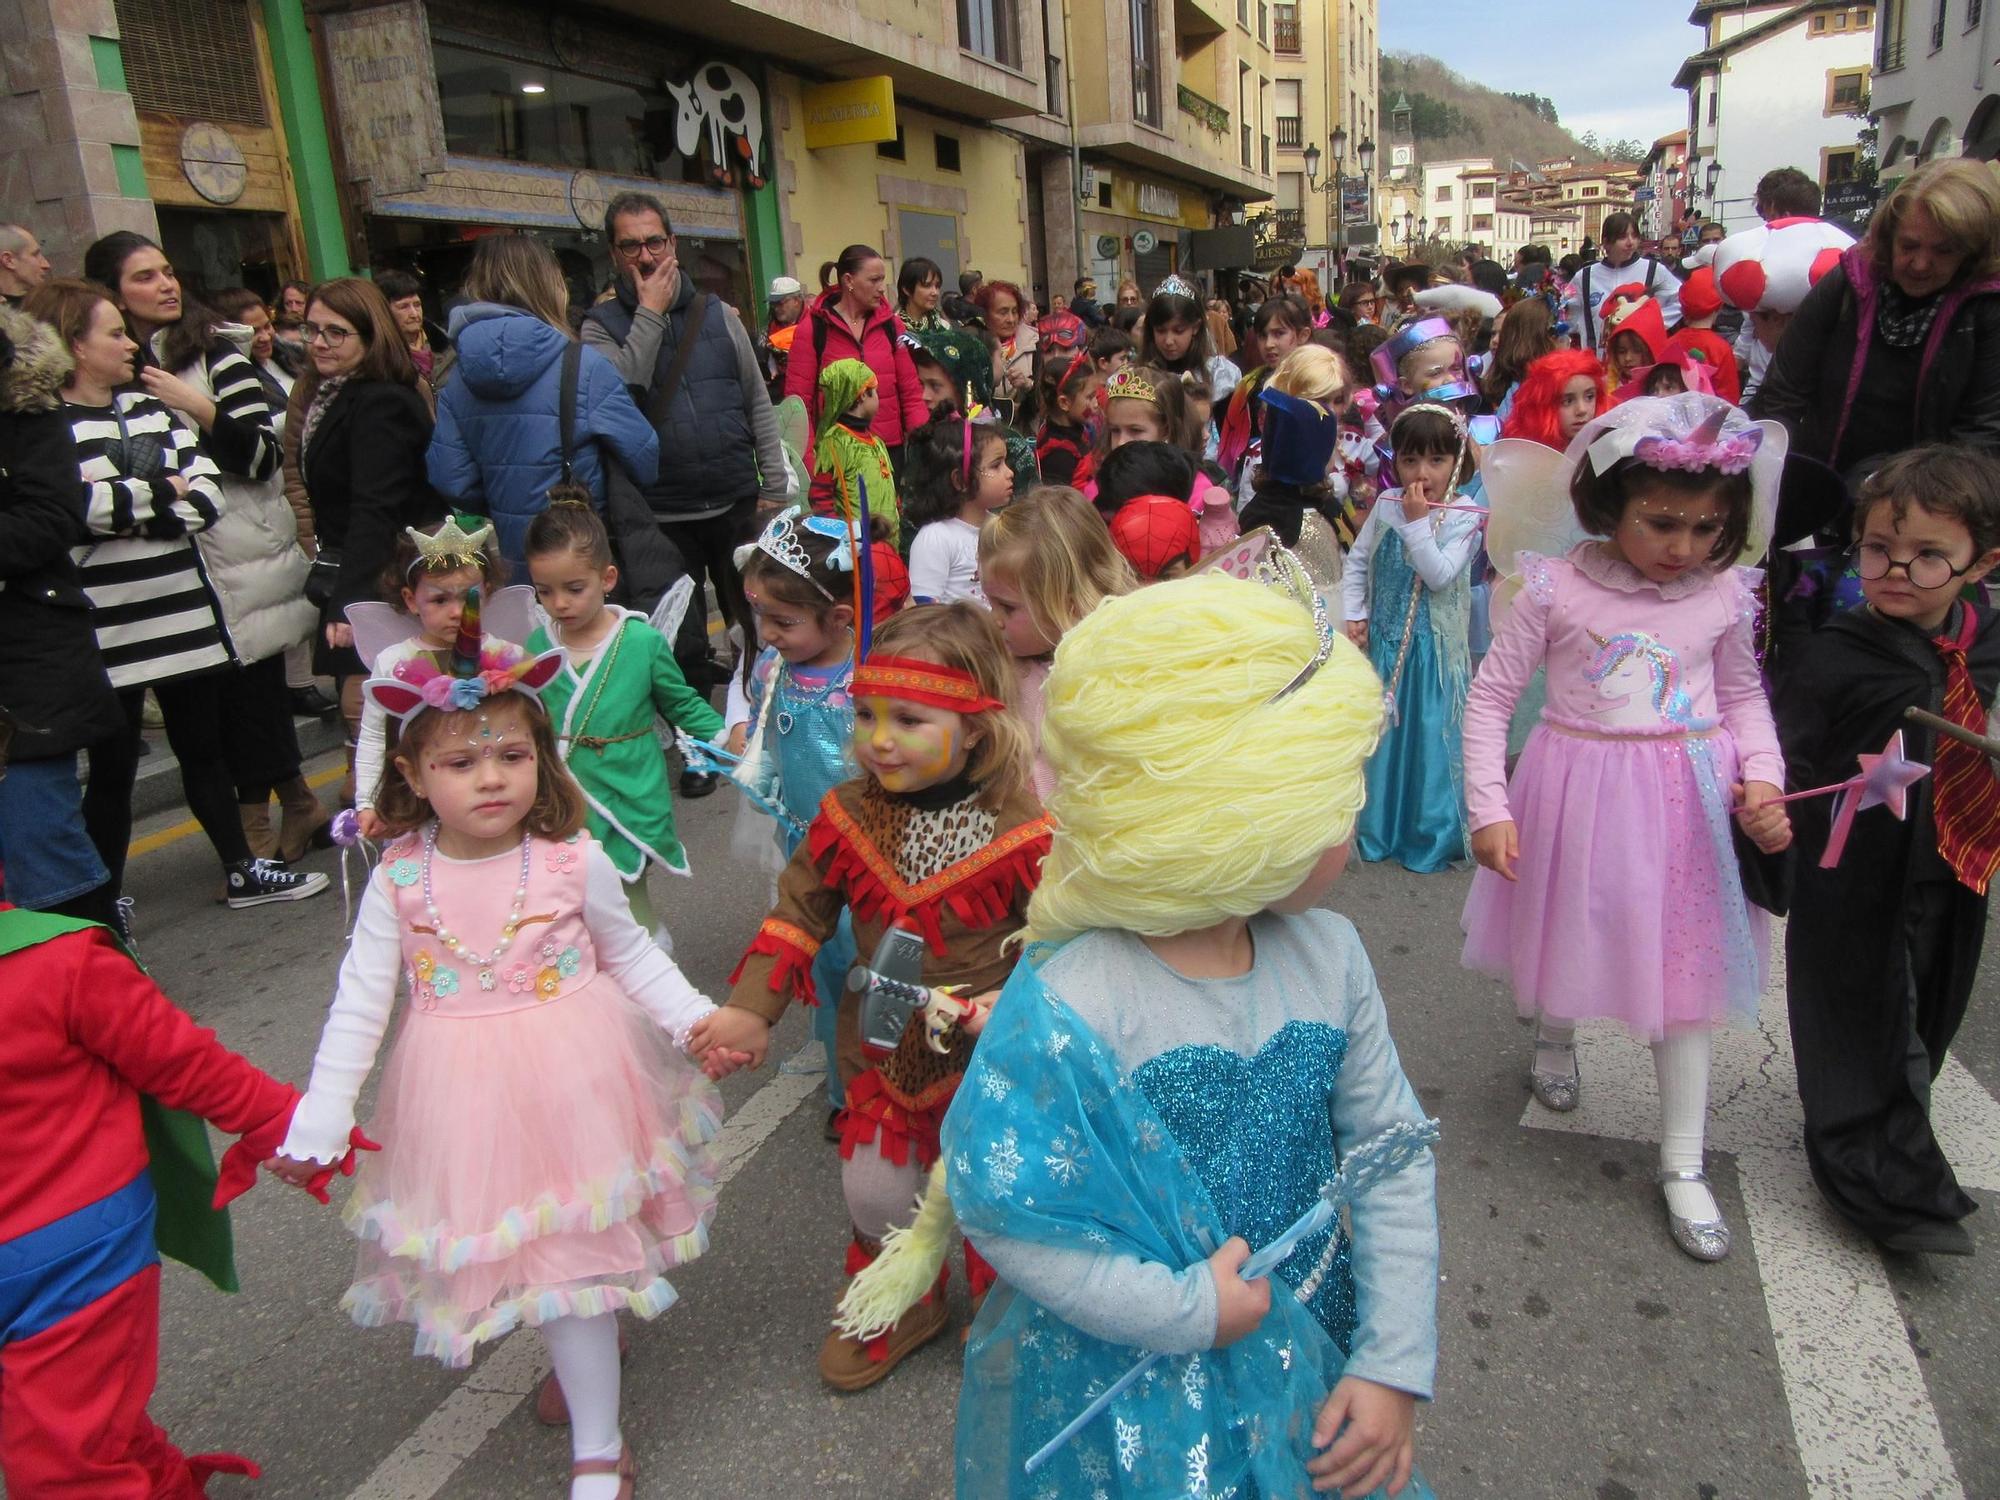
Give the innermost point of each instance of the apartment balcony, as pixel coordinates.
(1196, 142)
(1285, 37)
(1290, 133)
(974, 57)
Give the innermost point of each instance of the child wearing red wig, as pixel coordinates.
(1559, 394)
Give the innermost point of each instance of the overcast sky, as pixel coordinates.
(1634, 47)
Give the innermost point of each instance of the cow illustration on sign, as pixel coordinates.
(725, 98)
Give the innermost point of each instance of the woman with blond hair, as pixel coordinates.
(1899, 344)
(500, 446)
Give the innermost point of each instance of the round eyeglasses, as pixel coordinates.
(1927, 570)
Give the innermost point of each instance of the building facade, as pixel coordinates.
(1326, 56)
(1935, 90)
(1775, 85)
(1662, 195)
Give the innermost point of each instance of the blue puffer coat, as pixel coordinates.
(497, 447)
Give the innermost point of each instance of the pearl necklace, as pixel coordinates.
(450, 939)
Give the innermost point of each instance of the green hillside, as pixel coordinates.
(1453, 116)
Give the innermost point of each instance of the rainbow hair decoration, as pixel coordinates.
(1669, 701)
(477, 667)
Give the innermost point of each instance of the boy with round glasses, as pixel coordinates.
(1882, 947)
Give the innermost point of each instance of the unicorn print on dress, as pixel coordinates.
(1639, 682)
(726, 100)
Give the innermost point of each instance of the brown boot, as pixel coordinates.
(306, 820)
(851, 1364)
(257, 831)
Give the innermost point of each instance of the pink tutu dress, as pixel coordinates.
(544, 1148)
(1628, 903)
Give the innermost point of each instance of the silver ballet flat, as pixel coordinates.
(1704, 1239)
(1557, 1091)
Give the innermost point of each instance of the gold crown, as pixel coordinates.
(452, 544)
(1129, 385)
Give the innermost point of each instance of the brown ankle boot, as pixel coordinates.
(850, 1364)
(257, 831)
(306, 820)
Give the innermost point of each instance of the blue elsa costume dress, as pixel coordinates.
(1120, 1120)
(1415, 812)
(807, 735)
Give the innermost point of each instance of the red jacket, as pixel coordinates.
(824, 337)
(83, 1032)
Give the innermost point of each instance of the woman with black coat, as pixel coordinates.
(55, 698)
(364, 427)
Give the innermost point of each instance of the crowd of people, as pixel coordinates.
(1548, 570)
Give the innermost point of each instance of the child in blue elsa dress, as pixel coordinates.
(1171, 1087)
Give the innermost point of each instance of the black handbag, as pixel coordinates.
(323, 577)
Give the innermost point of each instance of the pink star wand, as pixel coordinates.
(1883, 781)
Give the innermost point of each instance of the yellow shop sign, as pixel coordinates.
(854, 112)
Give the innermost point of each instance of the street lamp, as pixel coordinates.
(1409, 226)
(1714, 177)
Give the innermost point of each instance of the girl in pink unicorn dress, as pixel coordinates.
(1610, 887)
(544, 1157)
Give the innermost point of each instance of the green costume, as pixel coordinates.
(603, 713)
(845, 461)
(968, 362)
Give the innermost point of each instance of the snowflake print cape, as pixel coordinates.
(1046, 1142)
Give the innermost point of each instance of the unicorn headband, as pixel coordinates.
(460, 543)
(477, 668)
(782, 543)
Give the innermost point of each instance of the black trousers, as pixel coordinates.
(197, 732)
(263, 746)
(1867, 1057)
(709, 547)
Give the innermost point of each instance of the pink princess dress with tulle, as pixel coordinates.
(1628, 903)
(544, 1152)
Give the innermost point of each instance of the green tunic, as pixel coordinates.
(603, 717)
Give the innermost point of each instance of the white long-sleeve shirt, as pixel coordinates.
(366, 994)
(1598, 280)
(1438, 554)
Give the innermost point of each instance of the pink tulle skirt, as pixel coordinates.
(535, 1164)
(1629, 905)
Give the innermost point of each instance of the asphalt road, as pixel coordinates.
(1582, 1355)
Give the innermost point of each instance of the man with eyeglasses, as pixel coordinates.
(695, 373)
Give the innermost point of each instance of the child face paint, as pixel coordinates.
(1428, 366)
(1665, 533)
(438, 600)
(909, 746)
(479, 772)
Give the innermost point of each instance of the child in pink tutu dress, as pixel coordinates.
(1609, 886)
(544, 1156)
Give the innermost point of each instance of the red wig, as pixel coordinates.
(1537, 409)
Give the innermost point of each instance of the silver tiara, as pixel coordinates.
(1178, 286)
(1260, 557)
(781, 542)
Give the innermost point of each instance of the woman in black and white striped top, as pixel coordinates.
(197, 365)
(149, 488)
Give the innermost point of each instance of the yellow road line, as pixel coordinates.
(166, 836)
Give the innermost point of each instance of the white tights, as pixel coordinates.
(1680, 1063)
(585, 1353)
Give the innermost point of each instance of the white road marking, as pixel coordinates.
(1861, 1413)
(425, 1460)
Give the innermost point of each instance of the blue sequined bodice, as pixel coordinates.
(810, 730)
(1259, 1133)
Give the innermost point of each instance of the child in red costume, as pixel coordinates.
(939, 831)
(86, 1033)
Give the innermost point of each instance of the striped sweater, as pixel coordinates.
(155, 614)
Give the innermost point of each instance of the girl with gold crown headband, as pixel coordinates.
(1199, 1014)
(544, 1153)
(939, 841)
(430, 577)
(1407, 595)
(1610, 888)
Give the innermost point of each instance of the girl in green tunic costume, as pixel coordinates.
(618, 674)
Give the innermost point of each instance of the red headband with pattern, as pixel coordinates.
(925, 682)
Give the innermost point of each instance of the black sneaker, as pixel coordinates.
(698, 783)
(310, 703)
(256, 882)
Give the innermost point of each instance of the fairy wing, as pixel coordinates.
(796, 434)
(511, 613)
(377, 627)
(1767, 480)
(673, 607)
(1527, 491)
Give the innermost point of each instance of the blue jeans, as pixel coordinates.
(46, 856)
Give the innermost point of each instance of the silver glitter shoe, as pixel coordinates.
(1704, 1239)
(1557, 1091)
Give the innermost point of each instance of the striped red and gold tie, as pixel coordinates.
(1967, 792)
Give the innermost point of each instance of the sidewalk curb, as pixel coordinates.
(158, 788)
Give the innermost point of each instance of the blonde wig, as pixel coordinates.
(1313, 372)
(1056, 549)
(1185, 795)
